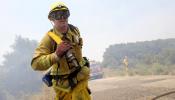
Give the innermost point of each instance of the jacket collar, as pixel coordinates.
(68, 34)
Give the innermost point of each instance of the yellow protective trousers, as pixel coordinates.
(80, 92)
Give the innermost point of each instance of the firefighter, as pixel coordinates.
(69, 71)
(125, 62)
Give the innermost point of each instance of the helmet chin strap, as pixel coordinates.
(52, 23)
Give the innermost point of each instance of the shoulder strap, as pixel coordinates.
(55, 37)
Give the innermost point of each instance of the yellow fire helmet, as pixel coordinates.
(57, 6)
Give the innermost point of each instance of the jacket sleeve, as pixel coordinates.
(44, 56)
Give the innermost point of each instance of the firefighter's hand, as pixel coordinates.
(62, 49)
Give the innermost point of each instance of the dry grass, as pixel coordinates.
(133, 88)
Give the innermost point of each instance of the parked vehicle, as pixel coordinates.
(96, 70)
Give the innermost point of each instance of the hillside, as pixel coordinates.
(146, 52)
(145, 58)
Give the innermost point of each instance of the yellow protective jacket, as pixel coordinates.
(45, 58)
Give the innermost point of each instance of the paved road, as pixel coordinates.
(133, 88)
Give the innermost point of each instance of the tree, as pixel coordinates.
(19, 77)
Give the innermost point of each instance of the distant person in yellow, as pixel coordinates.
(125, 62)
(61, 51)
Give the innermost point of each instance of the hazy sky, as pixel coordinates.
(101, 22)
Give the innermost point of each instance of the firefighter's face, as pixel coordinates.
(61, 25)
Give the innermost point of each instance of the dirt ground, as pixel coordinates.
(134, 88)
